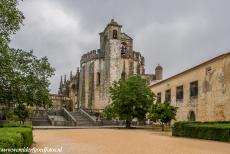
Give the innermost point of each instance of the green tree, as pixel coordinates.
(22, 112)
(108, 112)
(10, 19)
(131, 99)
(24, 78)
(30, 79)
(162, 113)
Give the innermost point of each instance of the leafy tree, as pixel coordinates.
(22, 112)
(162, 113)
(108, 112)
(131, 99)
(24, 78)
(10, 20)
(30, 79)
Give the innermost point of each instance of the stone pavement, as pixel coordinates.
(122, 141)
(75, 127)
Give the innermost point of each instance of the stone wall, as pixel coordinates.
(213, 100)
(60, 101)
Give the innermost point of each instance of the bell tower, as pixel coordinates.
(110, 46)
(111, 32)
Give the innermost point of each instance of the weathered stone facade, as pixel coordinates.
(116, 59)
(201, 93)
(69, 89)
(99, 68)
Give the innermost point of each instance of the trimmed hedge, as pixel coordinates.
(219, 131)
(16, 136)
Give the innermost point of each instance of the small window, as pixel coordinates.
(114, 34)
(208, 70)
(158, 97)
(98, 78)
(168, 96)
(179, 93)
(194, 89)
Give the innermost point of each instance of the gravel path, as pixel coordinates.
(121, 141)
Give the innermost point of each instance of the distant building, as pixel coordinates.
(60, 101)
(201, 93)
(69, 89)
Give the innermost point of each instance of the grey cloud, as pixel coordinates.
(178, 34)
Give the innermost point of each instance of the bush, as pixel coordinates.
(219, 131)
(13, 136)
(15, 124)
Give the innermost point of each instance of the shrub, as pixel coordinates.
(14, 124)
(16, 136)
(219, 131)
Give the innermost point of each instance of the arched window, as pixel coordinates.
(123, 48)
(114, 34)
(123, 75)
(73, 87)
(98, 78)
(191, 116)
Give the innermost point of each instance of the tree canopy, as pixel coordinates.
(131, 99)
(24, 78)
(162, 113)
(10, 19)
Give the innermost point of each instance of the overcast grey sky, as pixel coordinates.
(177, 34)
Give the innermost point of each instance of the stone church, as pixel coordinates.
(201, 93)
(116, 59)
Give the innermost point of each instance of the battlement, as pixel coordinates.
(91, 55)
(97, 54)
(135, 56)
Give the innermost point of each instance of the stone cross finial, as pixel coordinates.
(64, 79)
(71, 75)
(61, 82)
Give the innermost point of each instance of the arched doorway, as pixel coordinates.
(123, 76)
(191, 116)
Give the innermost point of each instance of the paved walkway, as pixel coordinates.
(79, 127)
(122, 141)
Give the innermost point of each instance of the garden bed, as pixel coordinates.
(15, 136)
(219, 131)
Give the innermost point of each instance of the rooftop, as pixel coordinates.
(191, 69)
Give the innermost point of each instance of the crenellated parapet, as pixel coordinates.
(92, 55)
(136, 56)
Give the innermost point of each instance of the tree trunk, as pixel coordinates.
(162, 127)
(127, 124)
